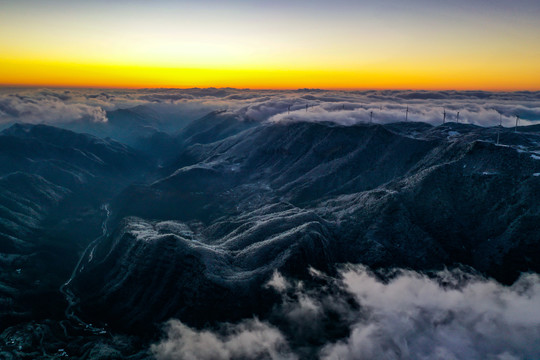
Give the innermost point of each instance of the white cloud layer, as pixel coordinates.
(413, 316)
(250, 339)
(45, 107)
(451, 315)
(475, 107)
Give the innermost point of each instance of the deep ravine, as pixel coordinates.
(70, 297)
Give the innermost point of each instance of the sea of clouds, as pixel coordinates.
(57, 106)
(404, 315)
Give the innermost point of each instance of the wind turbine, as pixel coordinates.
(457, 117)
(499, 128)
(517, 122)
(407, 114)
(444, 116)
(371, 117)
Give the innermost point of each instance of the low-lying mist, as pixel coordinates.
(362, 315)
(60, 106)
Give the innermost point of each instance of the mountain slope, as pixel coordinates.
(292, 196)
(52, 184)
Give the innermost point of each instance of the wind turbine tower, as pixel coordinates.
(444, 116)
(457, 117)
(407, 114)
(517, 122)
(371, 117)
(499, 128)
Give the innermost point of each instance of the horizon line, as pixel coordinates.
(348, 89)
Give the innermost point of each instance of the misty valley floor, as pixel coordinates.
(233, 238)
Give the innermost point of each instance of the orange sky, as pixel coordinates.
(283, 46)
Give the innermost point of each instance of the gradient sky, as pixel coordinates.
(459, 44)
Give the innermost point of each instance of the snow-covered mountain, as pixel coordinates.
(234, 204)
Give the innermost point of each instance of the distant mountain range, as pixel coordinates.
(206, 215)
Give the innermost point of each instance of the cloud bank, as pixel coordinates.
(251, 339)
(407, 315)
(476, 107)
(413, 316)
(47, 107)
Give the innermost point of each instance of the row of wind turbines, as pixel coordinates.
(457, 117)
(444, 117)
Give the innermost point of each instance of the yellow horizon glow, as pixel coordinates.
(183, 44)
(59, 74)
